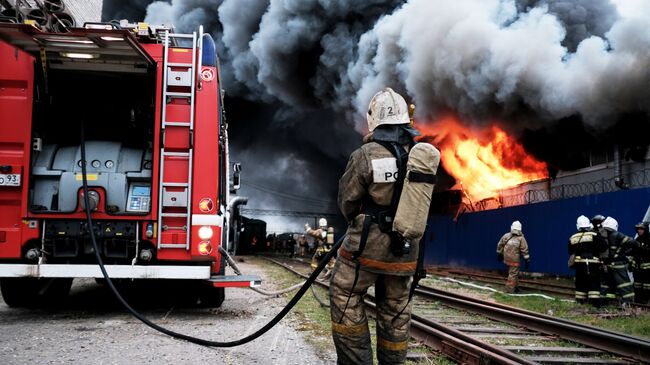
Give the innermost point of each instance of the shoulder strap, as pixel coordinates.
(401, 156)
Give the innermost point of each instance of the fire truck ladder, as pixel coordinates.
(174, 199)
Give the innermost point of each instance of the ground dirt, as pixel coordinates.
(91, 327)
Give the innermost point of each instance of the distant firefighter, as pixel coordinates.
(321, 240)
(585, 248)
(302, 244)
(620, 247)
(512, 245)
(597, 222)
(642, 260)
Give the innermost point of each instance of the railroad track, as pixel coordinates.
(527, 286)
(473, 331)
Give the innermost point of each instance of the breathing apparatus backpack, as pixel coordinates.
(406, 217)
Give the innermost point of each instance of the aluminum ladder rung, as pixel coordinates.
(179, 64)
(178, 95)
(175, 184)
(171, 245)
(176, 124)
(179, 35)
(176, 154)
(174, 215)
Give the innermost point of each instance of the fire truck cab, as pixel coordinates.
(150, 105)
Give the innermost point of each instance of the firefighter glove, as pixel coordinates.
(527, 264)
(500, 257)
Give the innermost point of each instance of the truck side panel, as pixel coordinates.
(16, 96)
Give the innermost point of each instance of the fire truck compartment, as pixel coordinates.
(71, 239)
(123, 173)
(117, 111)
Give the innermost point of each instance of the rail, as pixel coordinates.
(610, 341)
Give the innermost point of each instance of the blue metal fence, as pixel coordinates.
(471, 241)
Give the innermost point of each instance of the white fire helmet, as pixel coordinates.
(583, 222)
(515, 227)
(322, 223)
(387, 107)
(610, 223)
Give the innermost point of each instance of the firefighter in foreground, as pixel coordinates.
(620, 247)
(385, 195)
(585, 247)
(642, 260)
(510, 247)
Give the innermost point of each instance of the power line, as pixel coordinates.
(287, 195)
(287, 213)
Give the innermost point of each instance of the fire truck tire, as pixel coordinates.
(211, 297)
(56, 290)
(20, 292)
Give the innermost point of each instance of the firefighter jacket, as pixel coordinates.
(511, 246)
(371, 175)
(620, 246)
(318, 234)
(642, 254)
(587, 245)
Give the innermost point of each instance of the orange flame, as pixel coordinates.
(482, 161)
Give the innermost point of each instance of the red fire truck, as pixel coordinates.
(150, 104)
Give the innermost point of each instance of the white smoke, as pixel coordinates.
(472, 56)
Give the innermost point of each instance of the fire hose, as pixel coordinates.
(199, 341)
(235, 268)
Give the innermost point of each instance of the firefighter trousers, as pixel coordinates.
(513, 278)
(350, 323)
(642, 283)
(587, 282)
(619, 281)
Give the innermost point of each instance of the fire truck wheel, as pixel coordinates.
(20, 292)
(56, 290)
(211, 297)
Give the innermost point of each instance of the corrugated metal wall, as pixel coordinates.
(471, 241)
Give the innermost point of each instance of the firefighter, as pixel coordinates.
(302, 243)
(605, 293)
(642, 259)
(512, 245)
(619, 247)
(321, 242)
(372, 253)
(585, 246)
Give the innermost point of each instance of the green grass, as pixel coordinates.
(637, 324)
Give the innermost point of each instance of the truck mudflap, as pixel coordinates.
(114, 271)
(236, 281)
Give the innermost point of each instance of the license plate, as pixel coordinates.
(9, 180)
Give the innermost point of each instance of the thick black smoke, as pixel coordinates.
(581, 18)
(306, 69)
(134, 10)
